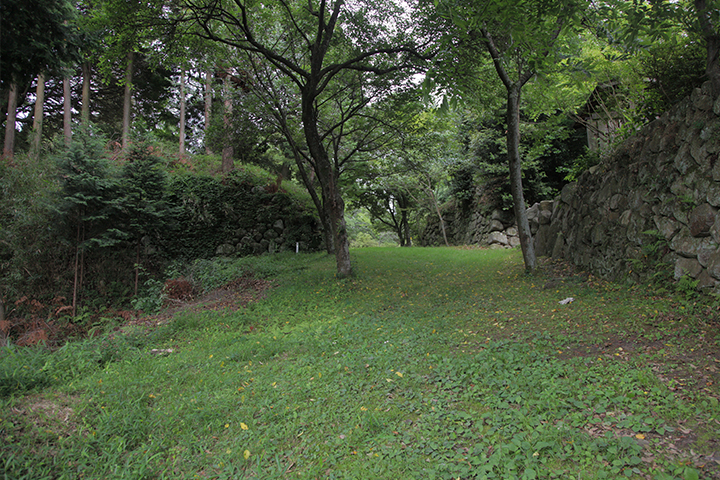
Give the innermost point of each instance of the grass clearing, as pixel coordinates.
(438, 363)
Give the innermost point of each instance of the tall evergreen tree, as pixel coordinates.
(126, 29)
(144, 209)
(88, 202)
(37, 37)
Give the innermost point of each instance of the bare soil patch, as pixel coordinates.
(181, 297)
(233, 295)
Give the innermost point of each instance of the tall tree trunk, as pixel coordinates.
(9, 147)
(308, 180)
(713, 63)
(327, 230)
(127, 101)
(85, 111)
(208, 108)
(327, 174)
(403, 205)
(393, 207)
(67, 111)
(328, 233)
(310, 185)
(322, 211)
(516, 187)
(513, 147)
(406, 228)
(335, 211)
(82, 268)
(38, 117)
(228, 151)
(182, 112)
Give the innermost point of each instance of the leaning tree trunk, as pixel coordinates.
(127, 100)
(435, 203)
(9, 146)
(67, 111)
(513, 146)
(85, 111)
(442, 221)
(516, 187)
(38, 117)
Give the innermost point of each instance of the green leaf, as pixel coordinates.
(691, 474)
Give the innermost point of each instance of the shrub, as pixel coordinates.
(364, 239)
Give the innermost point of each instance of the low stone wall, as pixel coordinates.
(653, 203)
(271, 224)
(231, 216)
(274, 236)
(495, 229)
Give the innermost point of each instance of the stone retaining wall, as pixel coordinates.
(653, 204)
(495, 229)
(270, 224)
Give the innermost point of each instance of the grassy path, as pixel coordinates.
(430, 363)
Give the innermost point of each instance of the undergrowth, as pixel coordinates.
(429, 363)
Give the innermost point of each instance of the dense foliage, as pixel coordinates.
(38, 37)
(92, 229)
(673, 69)
(399, 118)
(548, 146)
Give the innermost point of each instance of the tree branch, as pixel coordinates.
(497, 59)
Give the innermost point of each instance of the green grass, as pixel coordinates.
(428, 364)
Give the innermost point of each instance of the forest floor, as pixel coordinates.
(440, 363)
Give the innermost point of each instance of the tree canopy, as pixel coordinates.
(520, 39)
(37, 36)
(336, 58)
(327, 91)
